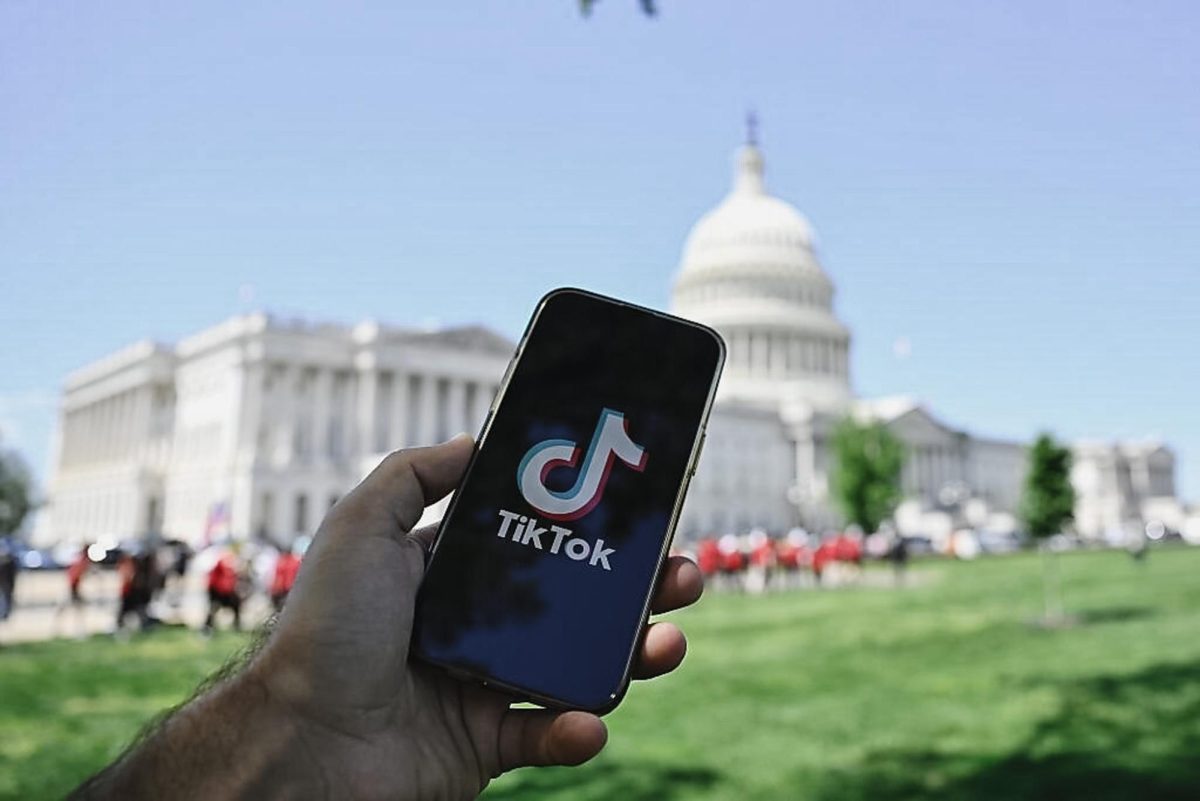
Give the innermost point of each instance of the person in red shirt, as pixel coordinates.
(75, 572)
(762, 561)
(824, 554)
(763, 554)
(732, 562)
(848, 553)
(286, 568)
(138, 579)
(787, 554)
(223, 591)
(708, 557)
(127, 602)
(787, 557)
(841, 548)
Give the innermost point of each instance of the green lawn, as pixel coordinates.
(942, 690)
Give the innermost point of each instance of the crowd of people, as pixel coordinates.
(153, 581)
(757, 562)
(153, 578)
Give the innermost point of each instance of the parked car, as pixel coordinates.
(999, 541)
(919, 545)
(37, 558)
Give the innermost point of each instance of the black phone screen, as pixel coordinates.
(547, 557)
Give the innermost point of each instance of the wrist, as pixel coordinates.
(267, 739)
(231, 741)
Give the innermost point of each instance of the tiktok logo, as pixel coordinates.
(610, 441)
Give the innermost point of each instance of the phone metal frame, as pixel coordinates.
(523, 693)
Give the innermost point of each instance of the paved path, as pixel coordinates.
(40, 594)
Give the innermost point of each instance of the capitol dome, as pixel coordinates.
(750, 270)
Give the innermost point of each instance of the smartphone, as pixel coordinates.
(541, 576)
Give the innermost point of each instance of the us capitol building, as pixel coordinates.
(254, 427)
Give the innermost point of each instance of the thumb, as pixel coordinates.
(407, 481)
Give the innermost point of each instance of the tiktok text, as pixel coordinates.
(525, 530)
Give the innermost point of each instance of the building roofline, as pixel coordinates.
(114, 362)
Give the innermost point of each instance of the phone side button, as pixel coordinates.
(699, 450)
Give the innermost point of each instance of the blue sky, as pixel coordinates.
(1013, 188)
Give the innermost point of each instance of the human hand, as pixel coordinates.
(371, 723)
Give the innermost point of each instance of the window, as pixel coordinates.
(301, 526)
(335, 443)
(384, 399)
(152, 519)
(412, 415)
(442, 410)
(266, 513)
(470, 402)
(300, 438)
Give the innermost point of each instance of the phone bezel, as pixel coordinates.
(524, 693)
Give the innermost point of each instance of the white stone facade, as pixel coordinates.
(256, 426)
(749, 269)
(1121, 486)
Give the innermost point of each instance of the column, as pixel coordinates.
(283, 415)
(83, 431)
(427, 412)
(118, 426)
(1146, 488)
(134, 414)
(367, 390)
(805, 466)
(97, 445)
(341, 416)
(417, 387)
(399, 410)
(108, 424)
(67, 442)
(385, 389)
(116, 416)
(322, 392)
(145, 411)
(456, 407)
(97, 427)
(251, 411)
(760, 352)
(483, 401)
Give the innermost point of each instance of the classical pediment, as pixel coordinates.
(918, 426)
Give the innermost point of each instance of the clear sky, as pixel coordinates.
(1012, 189)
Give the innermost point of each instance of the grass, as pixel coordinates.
(941, 690)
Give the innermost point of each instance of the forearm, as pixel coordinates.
(232, 741)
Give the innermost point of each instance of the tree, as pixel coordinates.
(1048, 504)
(866, 476)
(15, 492)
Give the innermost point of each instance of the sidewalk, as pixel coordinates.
(39, 594)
